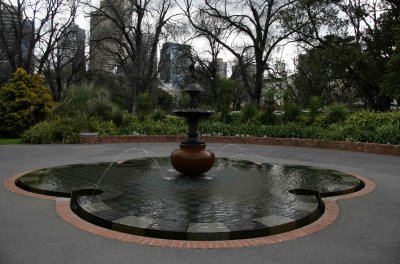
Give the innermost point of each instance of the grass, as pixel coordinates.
(8, 141)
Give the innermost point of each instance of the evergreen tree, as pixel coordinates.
(24, 101)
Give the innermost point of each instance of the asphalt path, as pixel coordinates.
(366, 231)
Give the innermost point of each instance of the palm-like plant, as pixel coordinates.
(85, 101)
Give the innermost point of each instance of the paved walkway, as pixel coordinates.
(367, 230)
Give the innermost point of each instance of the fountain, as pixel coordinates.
(240, 199)
(192, 158)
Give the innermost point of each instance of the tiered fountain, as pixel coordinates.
(192, 158)
(242, 199)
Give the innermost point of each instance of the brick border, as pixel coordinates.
(63, 209)
(387, 149)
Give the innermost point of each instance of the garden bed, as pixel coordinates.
(387, 149)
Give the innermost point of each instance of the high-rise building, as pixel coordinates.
(105, 36)
(71, 48)
(14, 40)
(174, 62)
(7, 40)
(222, 68)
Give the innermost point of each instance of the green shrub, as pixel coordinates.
(86, 101)
(117, 115)
(24, 101)
(144, 105)
(70, 133)
(104, 127)
(292, 112)
(249, 113)
(225, 96)
(267, 118)
(336, 113)
(371, 120)
(333, 132)
(164, 100)
(170, 126)
(41, 133)
(315, 104)
(54, 131)
(388, 134)
(158, 115)
(235, 117)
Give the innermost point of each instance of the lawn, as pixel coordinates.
(8, 141)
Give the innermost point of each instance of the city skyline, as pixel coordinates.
(287, 53)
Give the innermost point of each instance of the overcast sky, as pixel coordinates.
(287, 53)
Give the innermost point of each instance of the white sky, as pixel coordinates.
(287, 53)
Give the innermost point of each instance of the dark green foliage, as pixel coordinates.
(249, 113)
(165, 101)
(225, 97)
(55, 131)
(85, 107)
(144, 105)
(24, 101)
(290, 130)
(391, 80)
(158, 115)
(104, 127)
(361, 126)
(10, 141)
(268, 117)
(86, 101)
(336, 113)
(388, 134)
(235, 117)
(169, 126)
(371, 120)
(314, 105)
(292, 112)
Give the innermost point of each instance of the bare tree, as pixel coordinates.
(31, 30)
(257, 24)
(135, 30)
(208, 59)
(66, 64)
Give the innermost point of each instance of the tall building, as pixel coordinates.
(71, 48)
(222, 68)
(105, 35)
(14, 39)
(174, 62)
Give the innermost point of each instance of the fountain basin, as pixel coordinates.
(237, 199)
(193, 113)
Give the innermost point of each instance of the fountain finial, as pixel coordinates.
(192, 70)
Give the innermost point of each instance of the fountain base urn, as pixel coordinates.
(192, 159)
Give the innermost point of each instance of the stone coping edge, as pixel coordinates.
(387, 149)
(63, 209)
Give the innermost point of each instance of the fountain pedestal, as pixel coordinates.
(192, 158)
